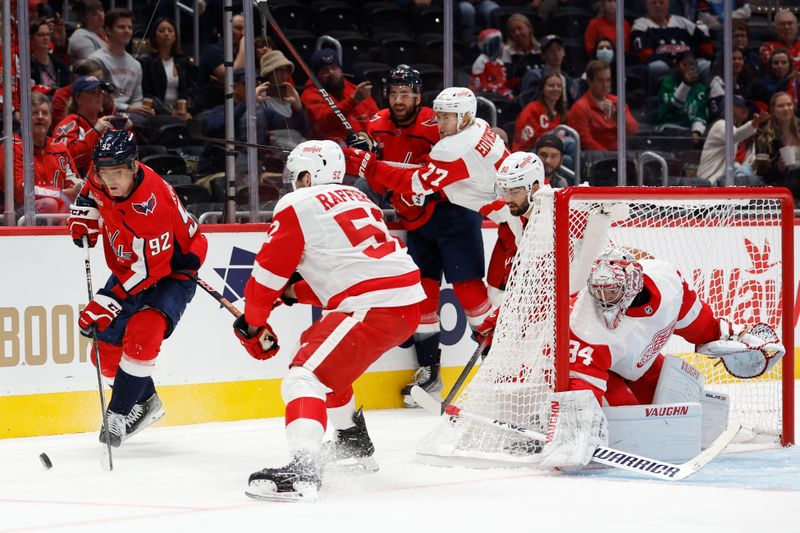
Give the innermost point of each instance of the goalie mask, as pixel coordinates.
(614, 281)
(323, 160)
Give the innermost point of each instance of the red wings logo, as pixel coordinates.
(146, 207)
(758, 257)
(658, 342)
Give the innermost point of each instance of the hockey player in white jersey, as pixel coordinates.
(462, 164)
(629, 310)
(335, 238)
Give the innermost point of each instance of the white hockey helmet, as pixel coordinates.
(459, 100)
(614, 281)
(520, 169)
(323, 160)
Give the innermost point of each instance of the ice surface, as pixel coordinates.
(193, 477)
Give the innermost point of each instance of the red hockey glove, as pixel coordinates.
(359, 162)
(486, 330)
(99, 313)
(84, 221)
(261, 345)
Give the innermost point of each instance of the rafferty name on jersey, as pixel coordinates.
(332, 198)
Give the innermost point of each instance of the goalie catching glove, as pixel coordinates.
(261, 344)
(577, 426)
(746, 351)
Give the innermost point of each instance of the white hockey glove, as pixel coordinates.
(746, 351)
(576, 428)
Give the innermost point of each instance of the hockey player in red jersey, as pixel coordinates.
(442, 238)
(329, 246)
(149, 240)
(627, 313)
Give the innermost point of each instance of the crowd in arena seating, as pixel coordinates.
(538, 64)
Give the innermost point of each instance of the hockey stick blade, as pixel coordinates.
(604, 455)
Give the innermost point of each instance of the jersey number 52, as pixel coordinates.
(357, 231)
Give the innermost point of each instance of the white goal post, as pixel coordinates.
(734, 245)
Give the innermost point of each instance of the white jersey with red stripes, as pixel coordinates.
(672, 306)
(336, 238)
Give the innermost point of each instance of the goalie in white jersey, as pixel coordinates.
(335, 238)
(627, 313)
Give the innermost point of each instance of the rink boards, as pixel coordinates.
(48, 386)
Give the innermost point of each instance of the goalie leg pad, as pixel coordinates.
(577, 426)
(667, 432)
(716, 407)
(678, 382)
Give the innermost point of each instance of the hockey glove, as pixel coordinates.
(360, 163)
(362, 141)
(261, 345)
(746, 351)
(486, 330)
(84, 221)
(100, 312)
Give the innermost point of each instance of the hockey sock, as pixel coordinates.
(341, 417)
(474, 299)
(110, 354)
(127, 391)
(142, 342)
(427, 347)
(306, 416)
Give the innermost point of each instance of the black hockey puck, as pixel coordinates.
(46, 462)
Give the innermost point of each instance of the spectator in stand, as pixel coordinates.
(780, 76)
(712, 160)
(85, 124)
(594, 115)
(778, 144)
(552, 47)
(684, 99)
(167, 75)
(659, 37)
(604, 51)
(55, 179)
(353, 100)
(541, 115)
(61, 97)
(488, 71)
(741, 39)
(266, 118)
(712, 12)
(521, 51)
(121, 68)
(91, 36)
(46, 69)
(550, 150)
(785, 24)
(743, 76)
(277, 92)
(604, 26)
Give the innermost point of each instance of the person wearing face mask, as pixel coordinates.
(604, 26)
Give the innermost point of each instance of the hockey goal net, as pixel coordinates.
(734, 245)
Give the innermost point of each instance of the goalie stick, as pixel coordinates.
(107, 461)
(464, 373)
(603, 455)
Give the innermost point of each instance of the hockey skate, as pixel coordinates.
(116, 428)
(351, 449)
(143, 415)
(428, 379)
(297, 481)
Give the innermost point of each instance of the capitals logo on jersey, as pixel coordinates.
(119, 249)
(147, 207)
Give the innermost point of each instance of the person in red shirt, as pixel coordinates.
(62, 97)
(353, 100)
(594, 115)
(488, 70)
(541, 115)
(150, 244)
(786, 37)
(55, 178)
(605, 25)
(82, 127)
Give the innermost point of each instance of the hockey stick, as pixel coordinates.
(224, 302)
(603, 455)
(463, 376)
(88, 265)
(266, 16)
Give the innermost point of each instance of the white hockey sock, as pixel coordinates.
(342, 417)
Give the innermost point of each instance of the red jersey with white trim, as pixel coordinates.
(410, 144)
(463, 166)
(532, 124)
(336, 238)
(53, 170)
(80, 137)
(148, 235)
(505, 248)
(672, 307)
